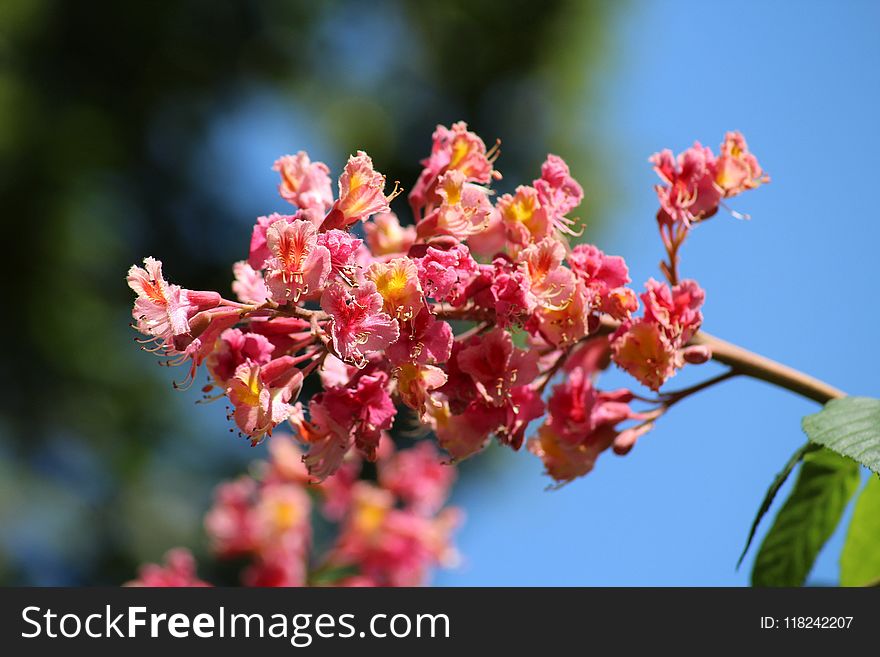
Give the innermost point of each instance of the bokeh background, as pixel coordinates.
(129, 129)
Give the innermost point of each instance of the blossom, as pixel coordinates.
(259, 247)
(580, 413)
(304, 183)
(424, 339)
(179, 571)
(464, 210)
(392, 547)
(261, 395)
(230, 523)
(235, 347)
(605, 278)
(386, 237)
(496, 366)
(361, 193)
(652, 348)
(418, 478)
(564, 461)
(463, 434)
(689, 192)
(249, 285)
(453, 149)
(523, 216)
(415, 382)
(357, 323)
(443, 273)
(737, 170)
(676, 311)
(161, 309)
(299, 265)
(564, 317)
(397, 281)
(343, 248)
(645, 352)
(558, 193)
(327, 439)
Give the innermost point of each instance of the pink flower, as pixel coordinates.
(464, 434)
(299, 266)
(386, 237)
(643, 350)
(737, 169)
(418, 477)
(357, 323)
(424, 339)
(496, 366)
(304, 183)
(261, 395)
(249, 285)
(455, 149)
(230, 523)
(580, 413)
(445, 273)
(525, 405)
(564, 461)
(677, 310)
(361, 193)
(363, 407)
(397, 281)
(259, 249)
(689, 192)
(523, 216)
(563, 317)
(234, 348)
(161, 309)
(415, 382)
(393, 547)
(343, 248)
(502, 288)
(179, 571)
(558, 193)
(464, 209)
(605, 278)
(327, 439)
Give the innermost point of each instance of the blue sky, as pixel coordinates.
(796, 283)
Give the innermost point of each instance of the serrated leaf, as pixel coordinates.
(860, 559)
(775, 485)
(849, 426)
(809, 516)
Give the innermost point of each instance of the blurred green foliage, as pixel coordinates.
(110, 118)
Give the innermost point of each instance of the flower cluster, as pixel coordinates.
(463, 317)
(388, 532)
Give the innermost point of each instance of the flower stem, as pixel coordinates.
(748, 363)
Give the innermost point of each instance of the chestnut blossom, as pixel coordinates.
(261, 395)
(179, 571)
(386, 237)
(357, 323)
(361, 193)
(304, 183)
(462, 316)
(737, 170)
(453, 149)
(298, 266)
(652, 348)
(161, 309)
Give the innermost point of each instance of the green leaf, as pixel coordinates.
(775, 485)
(850, 426)
(809, 516)
(860, 559)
